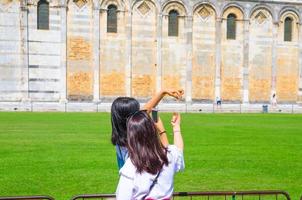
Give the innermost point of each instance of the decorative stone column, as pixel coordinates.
(128, 69)
(24, 51)
(96, 51)
(189, 50)
(274, 57)
(218, 58)
(159, 53)
(300, 65)
(245, 81)
(63, 61)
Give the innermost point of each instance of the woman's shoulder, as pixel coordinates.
(173, 149)
(175, 155)
(128, 170)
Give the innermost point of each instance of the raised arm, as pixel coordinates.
(178, 141)
(158, 97)
(162, 132)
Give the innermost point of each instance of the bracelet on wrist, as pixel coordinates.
(160, 133)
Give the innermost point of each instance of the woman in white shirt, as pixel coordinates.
(149, 171)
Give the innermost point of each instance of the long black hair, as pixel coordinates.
(145, 149)
(121, 109)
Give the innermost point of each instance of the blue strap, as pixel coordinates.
(121, 156)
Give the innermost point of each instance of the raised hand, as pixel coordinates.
(175, 93)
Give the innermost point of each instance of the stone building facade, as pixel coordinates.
(76, 59)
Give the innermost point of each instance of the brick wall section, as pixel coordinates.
(203, 72)
(113, 56)
(260, 55)
(232, 59)
(287, 78)
(174, 50)
(79, 52)
(287, 74)
(141, 58)
(44, 55)
(11, 52)
(144, 49)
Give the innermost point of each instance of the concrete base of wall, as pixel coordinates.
(163, 107)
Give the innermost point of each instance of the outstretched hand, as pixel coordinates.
(175, 121)
(178, 141)
(175, 93)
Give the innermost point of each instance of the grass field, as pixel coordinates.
(64, 154)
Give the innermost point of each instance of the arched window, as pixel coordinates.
(43, 15)
(288, 29)
(173, 23)
(231, 27)
(112, 19)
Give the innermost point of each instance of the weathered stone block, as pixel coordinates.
(80, 86)
(112, 84)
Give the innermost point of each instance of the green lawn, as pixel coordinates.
(64, 154)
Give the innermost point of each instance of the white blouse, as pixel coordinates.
(133, 185)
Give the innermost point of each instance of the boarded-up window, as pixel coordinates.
(231, 27)
(173, 23)
(288, 29)
(112, 19)
(43, 15)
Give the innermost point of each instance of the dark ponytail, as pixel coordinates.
(121, 109)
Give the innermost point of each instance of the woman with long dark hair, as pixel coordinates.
(149, 171)
(122, 108)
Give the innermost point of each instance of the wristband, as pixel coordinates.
(162, 132)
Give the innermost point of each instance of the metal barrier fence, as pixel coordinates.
(240, 195)
(27, 198)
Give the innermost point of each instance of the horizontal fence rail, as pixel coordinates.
(28, 198)
(224, 194)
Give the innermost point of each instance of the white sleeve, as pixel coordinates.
(178, 158)
(124, 188)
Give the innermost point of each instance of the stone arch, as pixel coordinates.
(155, 3)
(177, 5)
(198, 6)
(289, 12)
(234, 8)
(120, 4)
(263, 7)
(261, 14)
(35, 2)
(80, 4)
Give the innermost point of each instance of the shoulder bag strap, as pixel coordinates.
(152, 185)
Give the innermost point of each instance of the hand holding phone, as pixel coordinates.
(155, 115)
